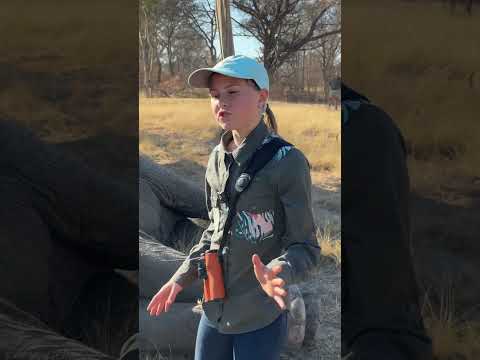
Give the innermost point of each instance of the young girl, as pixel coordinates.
(271, 242)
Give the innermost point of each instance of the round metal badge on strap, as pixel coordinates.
(242, 182)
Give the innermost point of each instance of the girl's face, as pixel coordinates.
(236, 103)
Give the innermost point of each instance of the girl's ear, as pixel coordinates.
(262, 100)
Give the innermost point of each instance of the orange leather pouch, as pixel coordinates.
(213, 286)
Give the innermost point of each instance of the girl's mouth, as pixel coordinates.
(223, 113)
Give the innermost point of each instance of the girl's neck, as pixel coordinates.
(240, 134)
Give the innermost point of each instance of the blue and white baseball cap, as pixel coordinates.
(238, 66)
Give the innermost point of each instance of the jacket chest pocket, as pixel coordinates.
(255, 213)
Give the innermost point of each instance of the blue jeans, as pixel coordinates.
(262, 344)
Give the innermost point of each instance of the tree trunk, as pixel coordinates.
(159, 70)
(170, 60)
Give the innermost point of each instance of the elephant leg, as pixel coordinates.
(173, 331)
(26, 248)
(106, 313)
(155, 219)
(157, 265)
(186, 234)
(172, 190)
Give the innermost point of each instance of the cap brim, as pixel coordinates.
(199, 78)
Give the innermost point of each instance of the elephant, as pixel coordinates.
(66, 231)
(89, 233)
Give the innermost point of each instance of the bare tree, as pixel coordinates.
(202, 18)
(285, 27)
(328, 53)
(149, 47)
(170, 22)
(166, 36)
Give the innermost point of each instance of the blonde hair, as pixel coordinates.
(270, 121)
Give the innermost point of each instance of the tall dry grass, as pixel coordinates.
(415, 60)
(179, 128)
(452, 337)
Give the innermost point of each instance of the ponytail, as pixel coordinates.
(270, 121)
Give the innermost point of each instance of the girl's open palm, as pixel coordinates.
(164, 298)
(269, 281)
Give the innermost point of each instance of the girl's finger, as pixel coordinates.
(278, 282)
(259, 273)
(152, 303)
(276, 269)
(159, 308)
(280, 302)
(279, 291)
(256, 260)
(155, 298)
(151, 306)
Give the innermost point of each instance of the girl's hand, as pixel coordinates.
(269, 281)
(164, 298)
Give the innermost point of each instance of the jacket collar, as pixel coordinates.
(248, 146)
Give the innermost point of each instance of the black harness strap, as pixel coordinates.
(257, 161)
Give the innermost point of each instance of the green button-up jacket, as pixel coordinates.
(273, 219)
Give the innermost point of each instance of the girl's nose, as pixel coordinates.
(224, 103)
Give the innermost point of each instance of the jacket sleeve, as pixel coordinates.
(300, 249)
(187, 273)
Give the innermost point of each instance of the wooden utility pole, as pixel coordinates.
(225, 27)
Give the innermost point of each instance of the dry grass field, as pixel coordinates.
(181, 133)
(431, 68)
(427, 77)
(182, 126)
(50, 48)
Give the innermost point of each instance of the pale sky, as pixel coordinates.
(247, 46)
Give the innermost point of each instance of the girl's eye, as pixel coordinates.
(232, 92)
